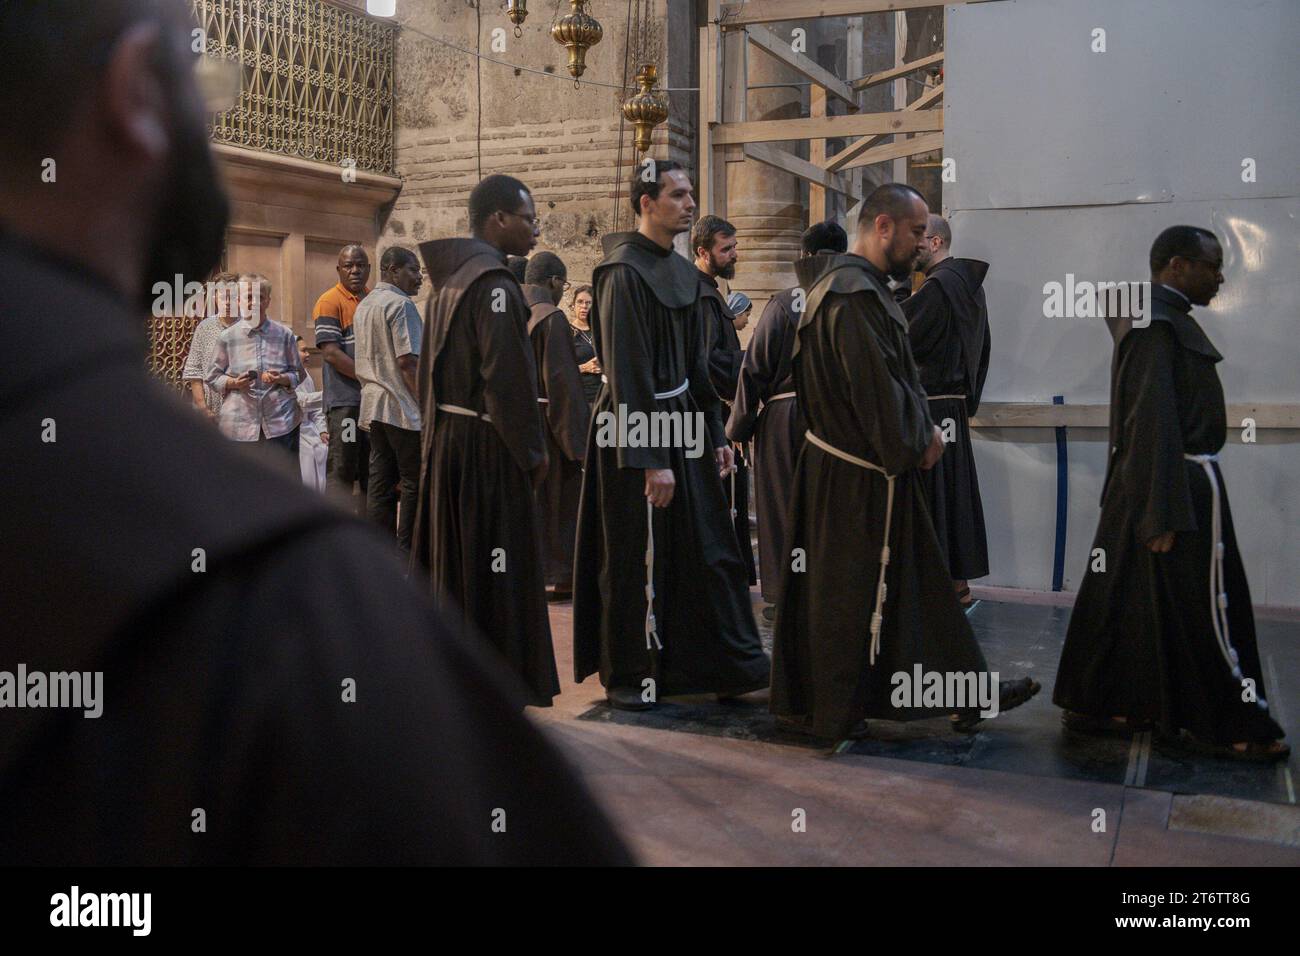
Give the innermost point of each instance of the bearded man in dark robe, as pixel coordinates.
(1163, 634)
(713, 241)
(262, 658)
(867, 603)
(948, 329)
(766, 411)
(477, 528)
(660, 605)
(564, 417)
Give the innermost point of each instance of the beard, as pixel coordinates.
(901, 256)
(190, 221)
(727, 272)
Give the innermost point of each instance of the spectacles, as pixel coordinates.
(535, 221)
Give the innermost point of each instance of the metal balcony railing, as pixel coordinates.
(317, 79)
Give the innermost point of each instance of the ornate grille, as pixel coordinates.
(318, 79)
(169, 344)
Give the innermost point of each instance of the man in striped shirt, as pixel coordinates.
(349, 453)
(257, 368)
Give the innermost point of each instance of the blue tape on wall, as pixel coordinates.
(1062, 502)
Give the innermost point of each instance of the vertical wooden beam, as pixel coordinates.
(854, 66)
(816, 155)
(900, 86)
(710, 107)
(734, 84)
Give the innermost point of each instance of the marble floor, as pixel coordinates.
(702, 782)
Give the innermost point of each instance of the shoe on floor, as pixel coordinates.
(1011, 694)
(627, 698)
(1260, 751)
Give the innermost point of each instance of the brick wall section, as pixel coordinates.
(567, 159)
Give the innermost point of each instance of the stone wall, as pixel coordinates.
(561, 141)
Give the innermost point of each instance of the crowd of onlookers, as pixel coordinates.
(358, 433)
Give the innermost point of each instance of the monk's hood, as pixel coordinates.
(971, 272)
(442, 257)
(670, 278)
(811, 268)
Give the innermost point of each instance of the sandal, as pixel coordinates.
(1011, 694)
(1257, 751)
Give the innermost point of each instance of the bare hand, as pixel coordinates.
(934, 452)
(659, 486)
(590, 367)
(325, 438)
(726, 460)
(243, 383)
(274, 378)
(1161, 543)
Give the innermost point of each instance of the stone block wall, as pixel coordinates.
(561, 141)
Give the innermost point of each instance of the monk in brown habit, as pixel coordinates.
(948, 329)
(484, 450)
(660, 601)
(767, 412)
(262, 658)
(565, 416)
(713, 242)
(867, 609)
(1162, 635)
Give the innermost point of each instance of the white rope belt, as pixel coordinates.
(877, 615)
(651, 628)
(1218, 596)
(935, 398)
(544, 401)
(461, 410)
(671, 393)
(777, 398)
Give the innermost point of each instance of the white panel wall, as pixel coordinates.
(1070, 161)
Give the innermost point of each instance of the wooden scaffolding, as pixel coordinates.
(728, 136)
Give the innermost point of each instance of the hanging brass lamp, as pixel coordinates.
(579, 31)
(517, 11)
(648, 108)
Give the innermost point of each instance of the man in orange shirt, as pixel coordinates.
(349, 451)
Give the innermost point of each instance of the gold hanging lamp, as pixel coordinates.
(579, 31)
(648, 108)
(517, 11)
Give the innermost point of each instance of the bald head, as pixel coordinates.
(894, 200)
(891, 227)
(937, 227)
(353, 268)
(937, 243)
